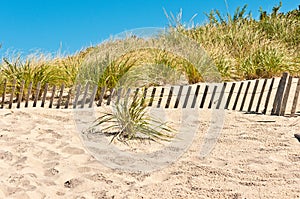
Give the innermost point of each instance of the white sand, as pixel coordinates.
(42, 156)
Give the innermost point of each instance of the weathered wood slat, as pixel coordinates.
(152, 97)
(212, 97)
(253, 96)
(102, 92)
(12, 94)
(52, 96)
(169, 97)
(21, 93)
(261, 95)
(221, 95)
(68, 98)
(36, 97)
(28, 94)
(245, 96)
(279, 95)
(144, 97)
(78, 89)
(44, 95)
(268, 96)
(178, 97)
(186, 100)
(4, 93)
(286, 96)
(195, 96)
(238, 96)
(87, 86)
(61, 92)
(230, 95)
(296, 97)
(160, 97)
(204, 96)
(93, 95)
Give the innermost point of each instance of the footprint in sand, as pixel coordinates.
(73, 150)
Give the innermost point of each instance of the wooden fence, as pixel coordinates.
(276, 96)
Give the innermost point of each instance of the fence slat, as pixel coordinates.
(204, 96)
(28, 94)
(61, 92)
(268, 96)
(169, 97)
(187, 97)
(178, 97)
(87, 86)
(94, 95)
(144, 97)
(78, 89)
(253, 96)
(245, 96)
(152, 96)
(4, 93)
(160, 97)
(286, 96)
(44, 95)
(68, 98)
(12, 94)
(230, 96)
(294, 106)
(52, 96)
(101, 96)
(195, 96)
(221, 95)
(21, 93)
(261, 95)
(238, 96)
(279, 95)
(36, 97)
(212, 97)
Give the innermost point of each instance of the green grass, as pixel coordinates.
(129, 120)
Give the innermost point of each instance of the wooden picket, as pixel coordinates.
(251, 96)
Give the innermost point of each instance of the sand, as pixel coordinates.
(43, 156)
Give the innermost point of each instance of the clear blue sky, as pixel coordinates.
(48, 25)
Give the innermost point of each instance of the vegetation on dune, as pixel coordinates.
(244, 48)
(241, 48)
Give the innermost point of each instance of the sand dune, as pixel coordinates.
(42, 156)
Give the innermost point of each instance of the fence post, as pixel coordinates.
(268, 96)
(286, 96)
(60, 95)
(279, 95)
(230, 95)
(12, 94)
(36, 97)
(44, 95)
(261, 95)
(4, 93)
(21, 93)
(187, 97)
(294, 106)
(253, 96)
(169, 97)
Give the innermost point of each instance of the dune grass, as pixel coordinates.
(240, 46)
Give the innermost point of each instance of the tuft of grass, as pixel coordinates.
(129, 120)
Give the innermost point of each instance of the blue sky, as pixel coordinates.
(71, 25)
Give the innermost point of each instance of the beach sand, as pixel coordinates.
(43, 156)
